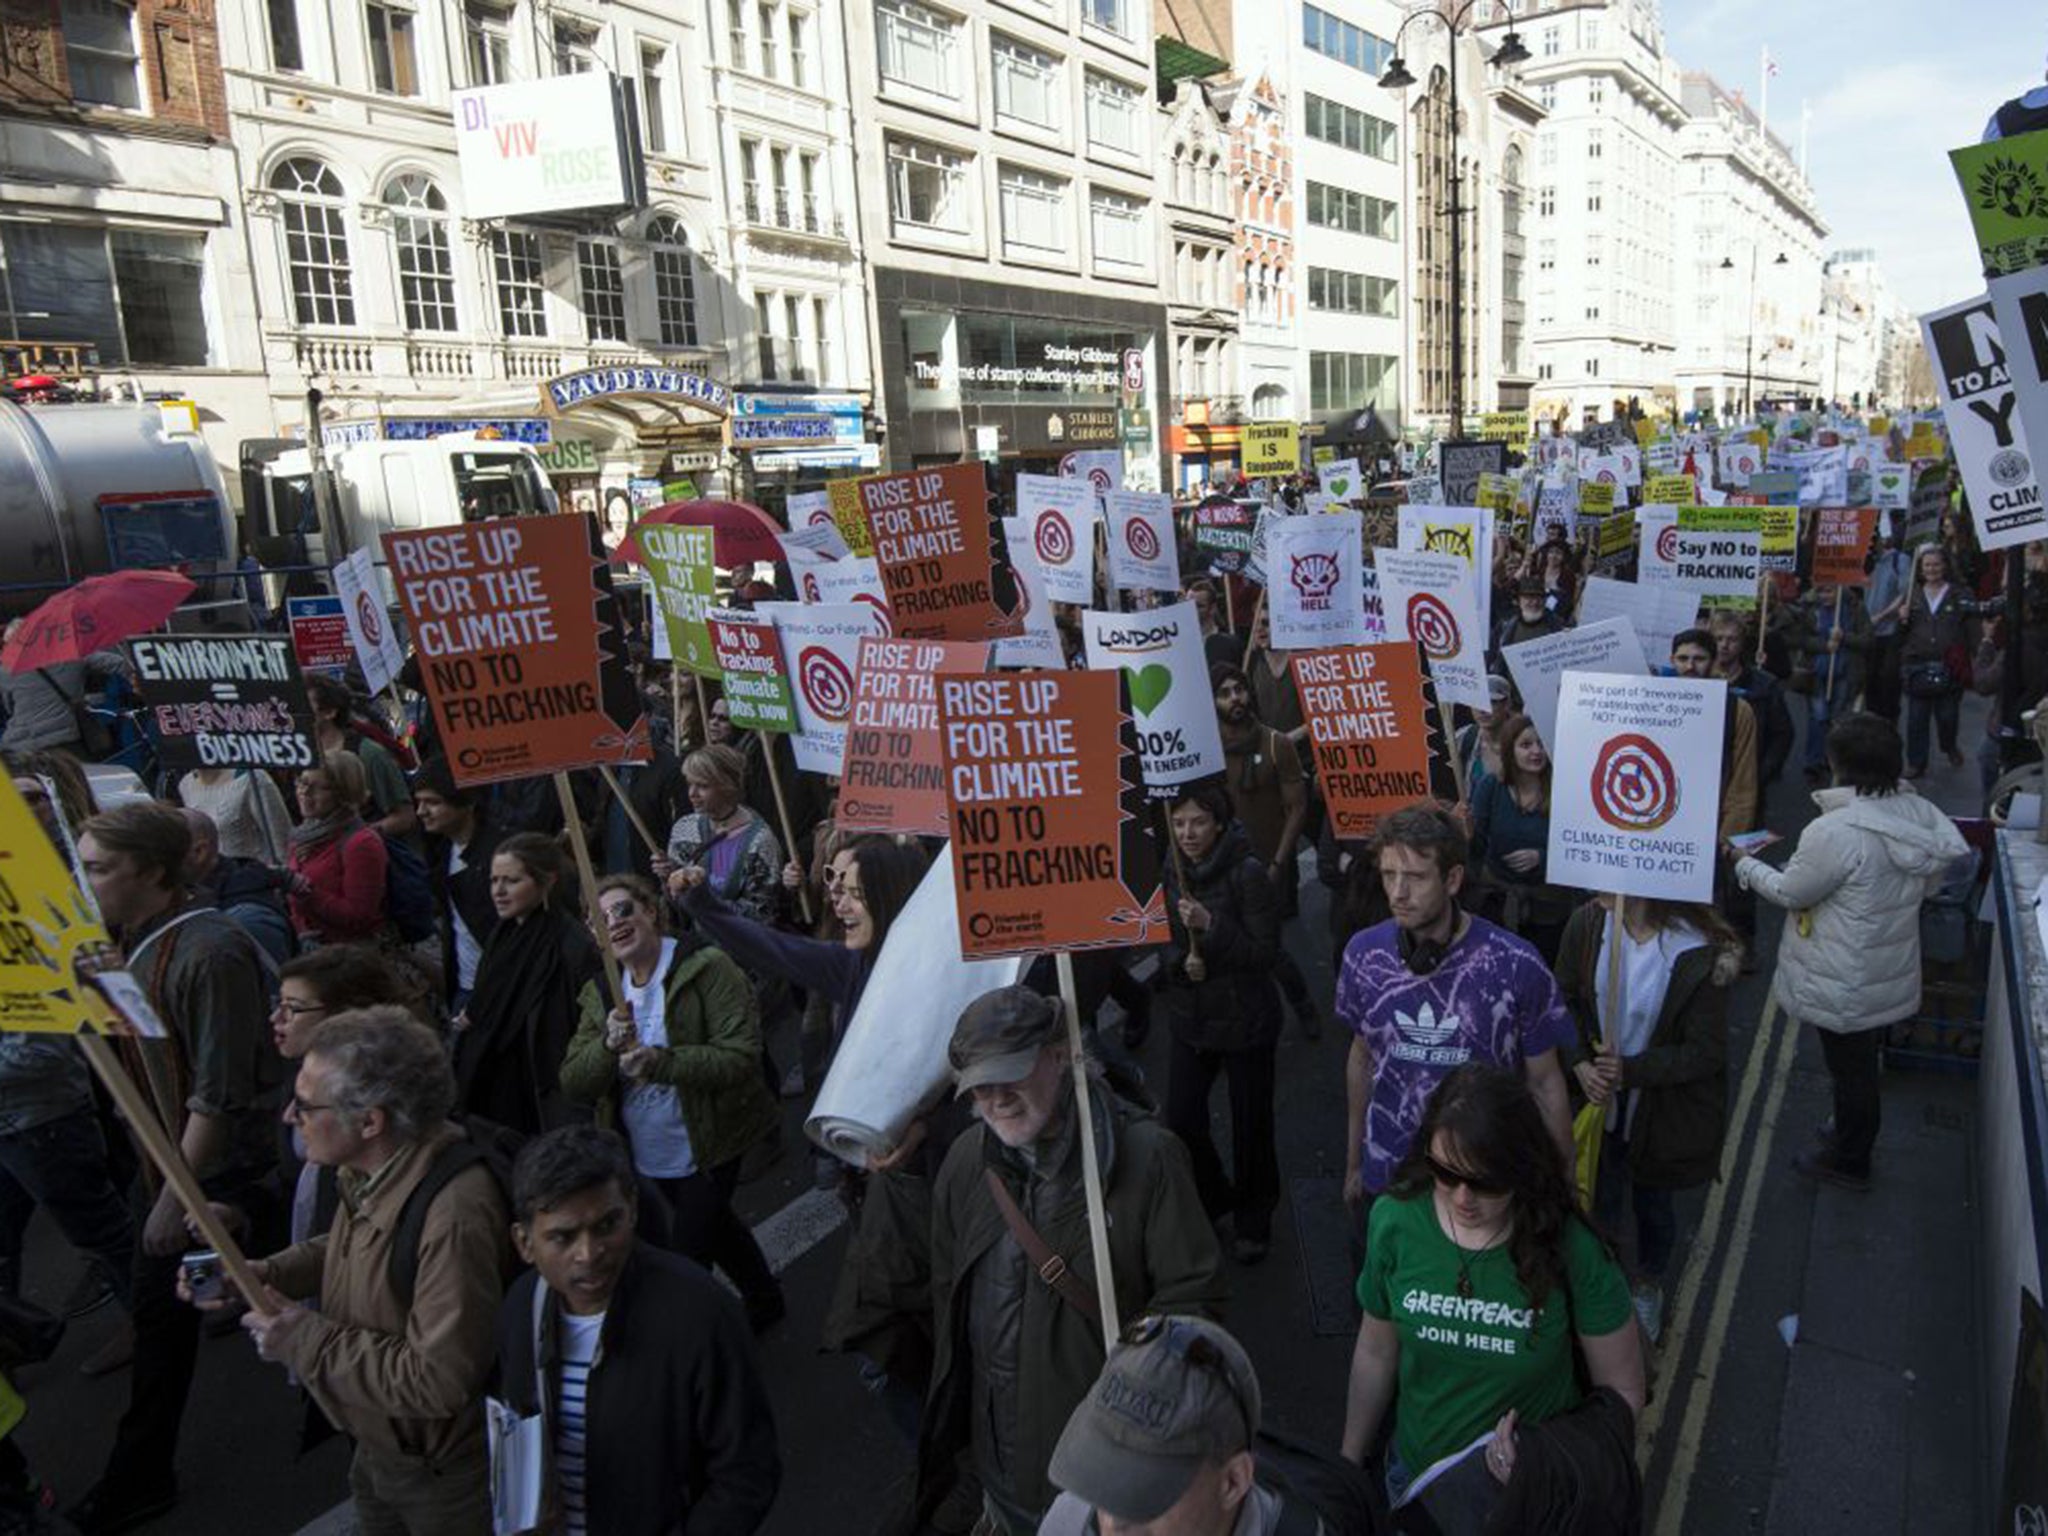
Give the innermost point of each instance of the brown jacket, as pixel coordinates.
(406, 1382)
(1738, 771)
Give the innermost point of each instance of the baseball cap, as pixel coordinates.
(1177, 1391)
(999, 1036)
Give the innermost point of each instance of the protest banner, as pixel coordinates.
(1166, 679)
(1496, 493)
(1039, 643)
(1424, 491)
(1738, 461)
(1596, 497)
(1631, 456)
(1429, 601)
(1143, 554)
(848, 517)
(1468, 533)
(1772, 488)
(1315, 595)
(319, 631)
(1656, 544)
(1974, 379)
(678, 563)
(1841, 546)
(1657, 611)
(361, 592)
(1060, 512)
(813, 542)
(1510, 427)
(1602, 469)
(2005, 184)
(1718, 553)
(820, 650)
(520, 645)
(749, 652)
(1223, 532)
(1669, 490)
(1460, 463)
(1369, 727)
(1341, 480)
(1271, 448)
(1100, 469)
(936, 547)
(1635, 799)
(225, 701)
(1926, 440)
(1610, 646)
(894, 779)
(855, 579)
(1778, 537)
(809, 509)
(1557, 506)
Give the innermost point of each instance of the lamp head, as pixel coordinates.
(1511, 51)
(1396, 77)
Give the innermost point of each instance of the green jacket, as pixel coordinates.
(713, 1057)
(1162, 1248)
(1683, 1072)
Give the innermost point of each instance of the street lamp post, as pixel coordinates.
(1749, 350)
(1397, 78)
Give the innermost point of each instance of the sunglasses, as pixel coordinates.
(1188, 1343)
(1451, 1179)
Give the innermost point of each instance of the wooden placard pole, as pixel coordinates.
(1834, 650)
(803, 890)
(572, 821)
(1251, 642)
(1229, 606)
(1091, 1166)
(1763, 617)
(1443, 723)
(155, 1140)
(675, 708)
(611, 782)
(703, 705)
(1180, 875)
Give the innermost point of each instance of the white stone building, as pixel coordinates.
(1200, 265)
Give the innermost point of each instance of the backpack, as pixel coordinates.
(2016, 118)
(493, 1146)
(1315, 1486)
(408, 892)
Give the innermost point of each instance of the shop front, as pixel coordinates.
(1022, 377)
(789, 441)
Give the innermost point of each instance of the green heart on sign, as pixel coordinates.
(1340, 487)
(1149, 686)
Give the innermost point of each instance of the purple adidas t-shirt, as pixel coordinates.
(1493, 999)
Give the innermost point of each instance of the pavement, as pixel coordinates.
(1817, 1376)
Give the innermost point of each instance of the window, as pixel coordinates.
(927, 186)
(1546, 151)
(1546, 201)
(1112, 114)
(315, 242)
(134, 295)
(1352, 293)
(1335, 38)
(675, 283)
(1592, 311)
(1345, 381)
(736, 31)
(813, 205)
(1348, 128)
(575, 48)
(487, 41)
(426, 264)
(392, 67)
(1593, 256)
(1594, 148)
(1546, 255)
(100, 52)
(792, 331)
(603, 288)
(654, 99)
(770, 68)
(1543, 370)
(518, 265)
(1110, 15)
(1553, 42)
(1592, 367)
(799, 50)
(285, 52)
(1596, 92)
(1592, 197)
(1116, 226)
(1357, 213)
(157, 281)
(1546, 97)
(765, 338)
(1034, 211)
(919, 46)
(1027, 83)
(821, 327)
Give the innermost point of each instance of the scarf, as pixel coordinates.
(321, 830)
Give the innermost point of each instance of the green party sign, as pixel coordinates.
(678, 562)
(2005, 184)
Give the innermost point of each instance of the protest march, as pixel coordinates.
(696, 1005)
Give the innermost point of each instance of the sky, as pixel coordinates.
(1893, 87)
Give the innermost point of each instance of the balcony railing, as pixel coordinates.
(799, 213)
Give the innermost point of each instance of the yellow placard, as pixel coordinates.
(846, 513)
(1646, 432)
(46, 927)
(1780, 529)
(1596, 496)
(1323, 455)
(1496, 491)
(1504, 426)
(1925, 443)
(1272, 448)
(1880, 426)
(1669, 490)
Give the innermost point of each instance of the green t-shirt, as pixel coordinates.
(1466, 1360)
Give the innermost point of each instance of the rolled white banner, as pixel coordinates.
(892, 1058)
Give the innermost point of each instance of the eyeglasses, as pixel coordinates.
(299, 1108)
(1449, 1179)
(298, 1010)
(1186, 1342)
(620, 912)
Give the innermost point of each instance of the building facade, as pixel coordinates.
(1871, 351)
(1198, 189)
(1011, 208)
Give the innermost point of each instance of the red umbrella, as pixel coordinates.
(742, 532)
(96, 613)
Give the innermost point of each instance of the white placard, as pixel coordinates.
(857, 579)
(1341, 481)
(1891, 487)
(1656, 544)
(1315, 593)
(1143, 555)
(1102, 468)
(1428, 599)
(807, 509)
(1995, 404)
(813, 536)
(1464, 531)
(1724, 568)
(1657, 611)
(821, 645)
(1039, 644)
(1635, 797)
(1610, 646)
(1058, 515)
(369, 622)
(1160, 654)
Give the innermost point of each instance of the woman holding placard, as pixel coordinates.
(1511, 831)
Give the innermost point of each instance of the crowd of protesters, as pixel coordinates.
(471, 1166)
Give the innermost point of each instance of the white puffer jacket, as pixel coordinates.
(1850, 955)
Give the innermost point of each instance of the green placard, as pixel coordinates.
(2005, 185)
(678, 562)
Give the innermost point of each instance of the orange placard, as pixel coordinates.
(935, 548)
(1367, 722)
(894, 775)
(1841, 545)
(520, 646)
(1052, 849)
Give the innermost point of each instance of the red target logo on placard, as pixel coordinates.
(820, 516)
(1605, 477)
(1634, 787)
(827, 682)
(885, 622)
(1053, 539)
(1433, 626)
(812, 591)
(1100, 481)
(369, 620)
(1667, 543)
(1140, 540)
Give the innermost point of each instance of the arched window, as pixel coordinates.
(315, 242)
(426, 263)
(675, 282)
(1269, 402)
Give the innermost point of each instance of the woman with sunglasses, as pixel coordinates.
(675, 1070)
(1479, 1276)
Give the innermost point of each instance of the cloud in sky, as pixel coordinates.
(1893, 88)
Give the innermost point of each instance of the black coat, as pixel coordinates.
(466, 893)
(1575, 1475)
(1236, 1004)
(678, 1433)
